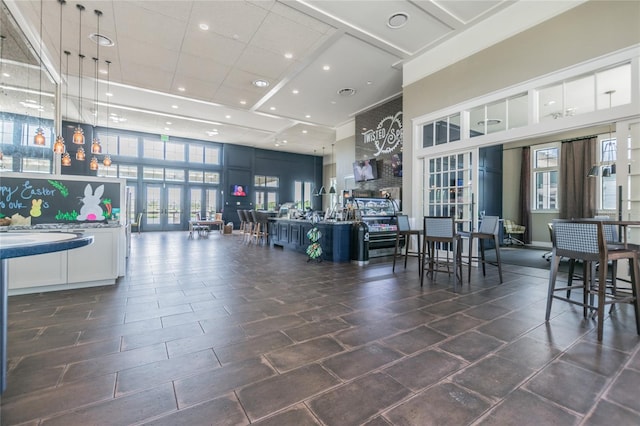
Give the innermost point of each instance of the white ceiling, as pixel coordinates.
(160, 48)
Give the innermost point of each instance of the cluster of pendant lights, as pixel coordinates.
(78, 138)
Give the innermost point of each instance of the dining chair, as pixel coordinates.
(585, 240)
(489, 229)
(243, 221)
(511, 229)
(405, 234)
(138, 223)
(440, 234)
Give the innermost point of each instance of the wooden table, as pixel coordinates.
(204, 226)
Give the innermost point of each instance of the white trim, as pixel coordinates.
(512, 20)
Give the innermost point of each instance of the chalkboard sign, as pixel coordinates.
(50, 199)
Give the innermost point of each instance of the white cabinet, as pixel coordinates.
(99, 263)
(48, 269)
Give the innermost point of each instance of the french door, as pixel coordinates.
(163, 207)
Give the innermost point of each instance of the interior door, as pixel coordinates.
(163, 207)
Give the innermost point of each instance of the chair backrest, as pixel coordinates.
(490, 225)
(610, 231)
(241, 216)
(403, 223)
(439, 227)
(253, 218)
(578, 239)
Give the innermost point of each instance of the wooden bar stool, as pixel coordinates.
(489, 229)
(585, 240)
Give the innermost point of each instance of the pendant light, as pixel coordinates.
(314, 192)
(66, 158)
(95, 144)
(322, 191)
(39, 138)
(93, 164)
(332, 190)
(107, 158)
(78, 134)
(58, 146)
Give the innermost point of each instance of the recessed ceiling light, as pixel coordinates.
(109, 94)
(212, 132)
(272, 108)
(227, 117)
(284, 141)
(326, 67)
(369, 83)
(6, 74)
(550, 103)
(204, 27)
(243, 102)
(398, 20)
(102, 40)
(304, 131)
(277, 144)
(260, 83)
(181, 89)
(295, 91)
(307, 116)
(166, 128)
(333, 102)
(104, 72)
(288, 55)
(174, 106)
(168, 122)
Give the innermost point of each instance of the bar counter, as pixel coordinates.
(292, 234)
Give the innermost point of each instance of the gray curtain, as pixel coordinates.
(524, 214)
(577, 192)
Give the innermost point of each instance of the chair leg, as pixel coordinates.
(497, 244)
(635, 288)
(482, 259)
(602, 288)
(553, 274)
(470, 257)
(395, 252)
(407, 242)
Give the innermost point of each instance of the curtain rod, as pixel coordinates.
(579, 138)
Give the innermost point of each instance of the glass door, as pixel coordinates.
(163, 207)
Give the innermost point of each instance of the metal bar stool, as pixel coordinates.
(489, 229)
(404, 233)
(439, 231)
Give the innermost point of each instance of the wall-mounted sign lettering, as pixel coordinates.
(387, 136)
(57, 200)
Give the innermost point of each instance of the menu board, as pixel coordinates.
(54, 200)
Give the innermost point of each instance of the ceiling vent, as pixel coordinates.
(347, 91)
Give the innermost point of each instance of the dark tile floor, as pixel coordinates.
(213, 331)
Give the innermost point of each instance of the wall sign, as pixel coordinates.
(54, 200)
(387, 135)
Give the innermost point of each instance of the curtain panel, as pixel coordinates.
(577, 192)
(524, 214)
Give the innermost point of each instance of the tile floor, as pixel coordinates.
(217, 332)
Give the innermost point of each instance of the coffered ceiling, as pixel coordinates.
(187, 68)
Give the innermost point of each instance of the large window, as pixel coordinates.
(302, 194)
(545, 177)
(607, 185)
(266, 191)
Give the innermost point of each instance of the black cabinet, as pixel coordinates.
(380, 216)
(292, 234)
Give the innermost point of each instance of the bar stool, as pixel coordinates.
(585, 240)
(261, 226)
(441, 231)
(489, 229)
(405, 232)
(251, 225)
(243, 221)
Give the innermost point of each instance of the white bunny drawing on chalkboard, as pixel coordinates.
(91, 209)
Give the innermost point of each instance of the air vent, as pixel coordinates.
(347, 91)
